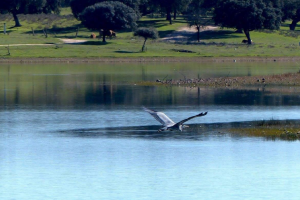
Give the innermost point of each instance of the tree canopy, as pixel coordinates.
(108, 15)
(291, 11)
(146, 33)
(16, 7)
(171, 6)
(78, 6)
(196, 15)
(247, 15)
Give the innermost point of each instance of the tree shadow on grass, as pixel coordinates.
(163, 34)
(188, 37)
(91, 43)
(148, 23)
(124, 51)
(158, 23)
(286, 25)
(98, 43)
(205, 35)
(219, 34)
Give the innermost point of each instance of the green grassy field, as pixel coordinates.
(219, 43)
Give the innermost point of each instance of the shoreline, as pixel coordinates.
(286, 79)
(149, 59)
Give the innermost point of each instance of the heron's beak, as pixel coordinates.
(186, 126)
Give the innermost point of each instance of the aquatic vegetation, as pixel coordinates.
(288, 79)
(288, 135)
(271, 129)
(273, 122)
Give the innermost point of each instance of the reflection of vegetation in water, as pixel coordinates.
(272, 129)
(95, 88)
(75, 84)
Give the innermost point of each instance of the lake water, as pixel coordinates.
(74, 131)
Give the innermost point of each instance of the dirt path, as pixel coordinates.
(65, 41)
(72, 41)
(185, 34)
(12, 45)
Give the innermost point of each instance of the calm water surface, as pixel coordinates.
(78, 132)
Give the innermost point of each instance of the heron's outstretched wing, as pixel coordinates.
(160, 116)
(199, 115)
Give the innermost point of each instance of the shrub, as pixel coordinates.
(146, 33)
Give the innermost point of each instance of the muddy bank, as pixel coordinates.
(149, 59)
(290, 79)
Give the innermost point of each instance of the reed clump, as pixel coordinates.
(290, 135)
(289, 79)
(271, 129)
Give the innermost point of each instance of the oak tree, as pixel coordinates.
(16, 7)
(247, 15)
(108, 15)
(197, 15)
(146, 33)
(77, 6)
(291, 11)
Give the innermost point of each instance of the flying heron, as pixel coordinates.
(168, 124)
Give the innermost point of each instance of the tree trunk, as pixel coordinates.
(293, 25)
(198, 33)
(103, 35)
(45, 33)
(169, 15)
(32, 31)
(246, 31)
(76, 32)
(143, 48)
(17, 22)
(175, 14)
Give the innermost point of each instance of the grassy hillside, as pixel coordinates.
(219, 43)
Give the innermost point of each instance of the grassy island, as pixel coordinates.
(272, 129)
